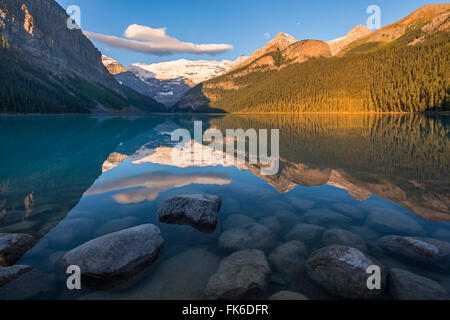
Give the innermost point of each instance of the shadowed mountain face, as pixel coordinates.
(47, 67)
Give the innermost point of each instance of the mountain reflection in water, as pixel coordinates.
(69, 179)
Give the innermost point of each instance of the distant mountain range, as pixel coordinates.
(167, 82)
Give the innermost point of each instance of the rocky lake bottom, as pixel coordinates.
(310, 232)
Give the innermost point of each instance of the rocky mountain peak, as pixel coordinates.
(356, 33)
(112, 65)
(284, 37)
(358, 30)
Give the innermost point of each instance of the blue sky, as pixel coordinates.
(244, 24)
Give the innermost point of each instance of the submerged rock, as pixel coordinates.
(344, 237)
(198, 210)
(236, 221)
(325, 217)
(393, 222)
(271, 223)
(289, 258)
(242, 275)
(13, 246)
(181, 277)
(404, 285)
(251, 236)
(7, 274)
(342, 271)
(287, 218)
(309, 234)
(349, 211)
(288, 296)
(29, 284)
(427, 251)
(69, 231)
(301, 204)
(116, 257)
(186, 235)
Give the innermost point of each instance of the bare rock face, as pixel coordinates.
(198, 210)
(404, 285)
(242, 275)
(427, 251)
(302, 51)
(39, 28)
(279, 43)
(342, 271)
(110, 259)
(13, 246)
(356, 33)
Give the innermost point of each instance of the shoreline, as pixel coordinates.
(443, 113)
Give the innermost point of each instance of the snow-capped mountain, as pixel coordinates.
(193, 72)
(167, 82)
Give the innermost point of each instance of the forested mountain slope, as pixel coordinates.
(408, 73)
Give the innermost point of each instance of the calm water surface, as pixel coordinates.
(70, 179)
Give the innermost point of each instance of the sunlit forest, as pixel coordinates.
(397, 77)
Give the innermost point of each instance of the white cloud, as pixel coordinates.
(155, 42)
(267, 35)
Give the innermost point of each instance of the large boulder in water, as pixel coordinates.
(342, 272)
(427, 251)
(198, 210)
(242, 275)
(251, 236)
(116, 257)
(404, 285)
(13, 246)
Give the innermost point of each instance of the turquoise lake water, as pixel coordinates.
(69, 179)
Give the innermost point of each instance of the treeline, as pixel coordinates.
(374, 148)
(393, 78)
